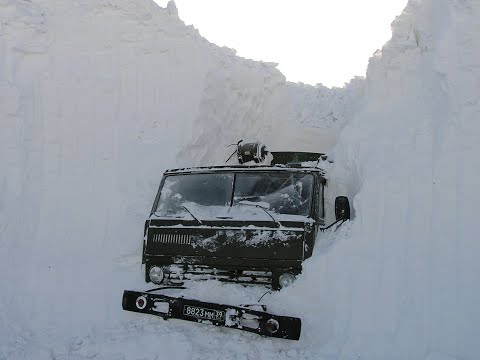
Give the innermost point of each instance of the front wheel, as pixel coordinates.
(284, 278)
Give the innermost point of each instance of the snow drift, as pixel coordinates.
(404, 284)
(97, 98)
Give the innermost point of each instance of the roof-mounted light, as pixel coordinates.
(249, 152)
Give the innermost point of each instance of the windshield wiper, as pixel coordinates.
(264, 209)
(183, 206)
(199, 221)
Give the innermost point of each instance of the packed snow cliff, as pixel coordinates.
(98, 98)
(411, 155)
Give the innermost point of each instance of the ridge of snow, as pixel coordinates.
(100, 98)
(411, 155)
(97, 98)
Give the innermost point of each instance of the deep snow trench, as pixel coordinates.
(98, 98)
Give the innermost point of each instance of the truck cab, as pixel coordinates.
(249, 224)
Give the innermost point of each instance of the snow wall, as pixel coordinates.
(98, 98)
(405, 283)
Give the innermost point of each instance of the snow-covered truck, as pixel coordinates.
(250, 223)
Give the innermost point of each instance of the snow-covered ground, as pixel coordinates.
(98, 98)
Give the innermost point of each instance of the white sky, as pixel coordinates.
(314, 41)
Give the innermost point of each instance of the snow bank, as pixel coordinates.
(97, 98)
(404, 285)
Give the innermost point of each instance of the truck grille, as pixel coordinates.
(172, 239)
(178, 273)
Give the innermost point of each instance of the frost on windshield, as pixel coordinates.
(209, 196)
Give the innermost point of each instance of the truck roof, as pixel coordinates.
(305, 167)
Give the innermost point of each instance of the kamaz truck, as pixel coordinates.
(252, 223)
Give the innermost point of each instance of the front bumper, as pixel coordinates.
(235, 317)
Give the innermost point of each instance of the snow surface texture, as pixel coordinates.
(98, 98)
(411, 286)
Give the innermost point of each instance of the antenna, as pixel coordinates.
(236, 151)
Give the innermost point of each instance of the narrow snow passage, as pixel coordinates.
(98, 98)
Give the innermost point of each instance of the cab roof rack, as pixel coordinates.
(295, 158)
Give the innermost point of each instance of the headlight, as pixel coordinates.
(286, 279)
(156, 274)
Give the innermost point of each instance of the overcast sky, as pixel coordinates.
(314, 41)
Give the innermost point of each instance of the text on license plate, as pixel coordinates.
(202, 313)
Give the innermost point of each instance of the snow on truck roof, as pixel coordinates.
(300, 167)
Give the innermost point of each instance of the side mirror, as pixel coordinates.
(342, 208)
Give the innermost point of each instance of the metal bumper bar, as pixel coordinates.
(235, 317)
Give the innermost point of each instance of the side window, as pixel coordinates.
(320, 201)
(323, 200)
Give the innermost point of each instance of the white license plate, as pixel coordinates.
(203, 313)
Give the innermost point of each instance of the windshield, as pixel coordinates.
(206, 191)
(285, 193)
(205, 196)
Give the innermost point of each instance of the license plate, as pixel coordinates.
(203, 313)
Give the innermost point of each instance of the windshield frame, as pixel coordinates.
(317, 178)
